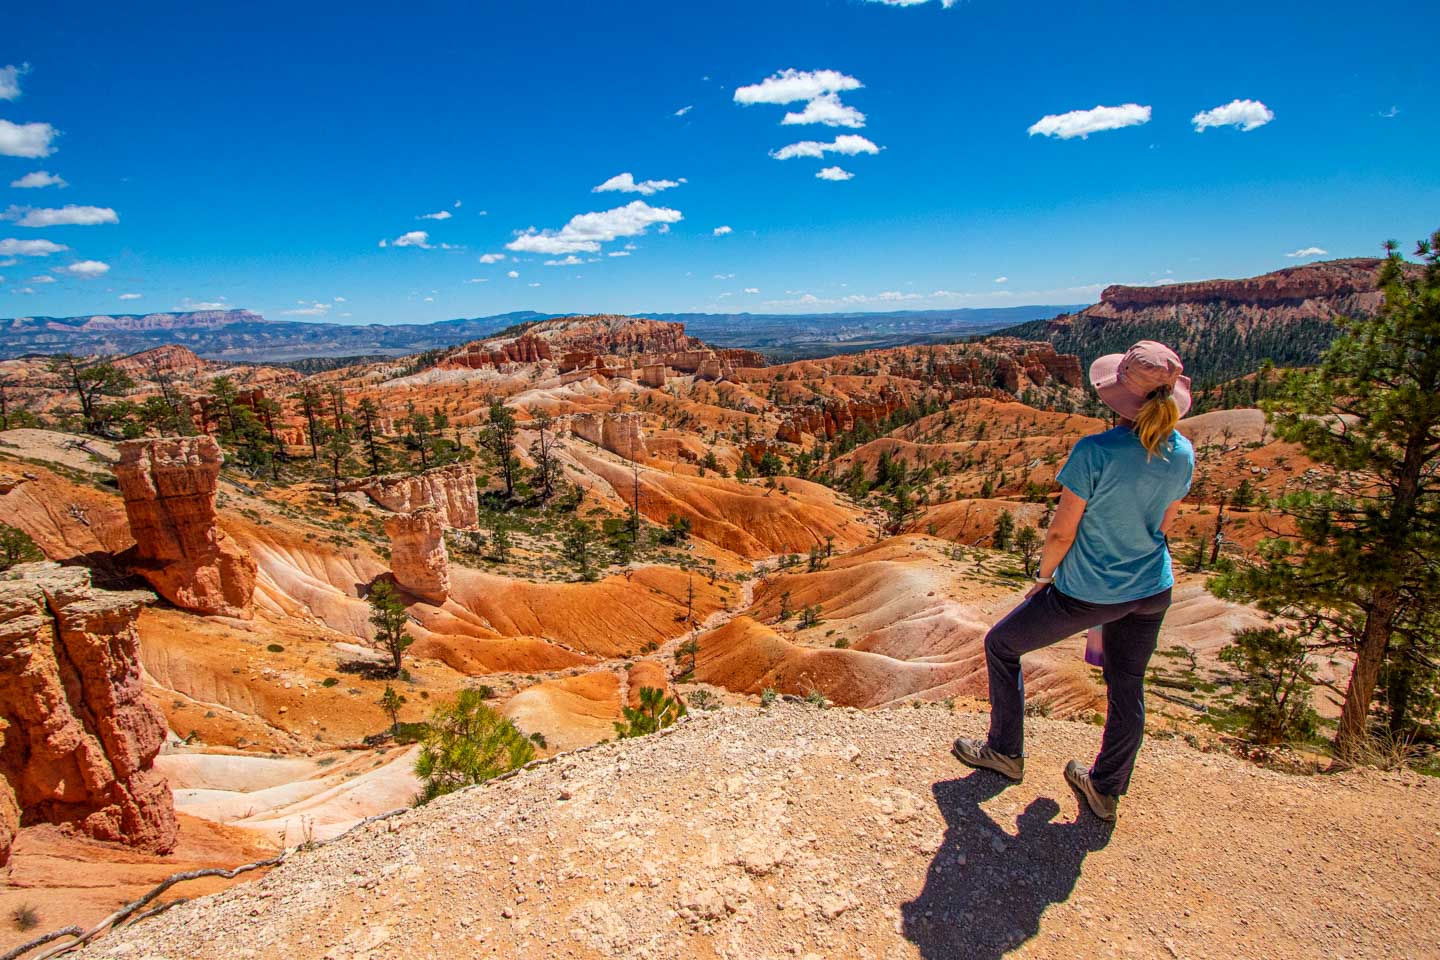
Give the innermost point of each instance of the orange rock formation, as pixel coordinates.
(169, 489)
(418, 555)
(77, 737)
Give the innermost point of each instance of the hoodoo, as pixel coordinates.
(169, 489)
(77, 737)
(417, 553)
(450, 490)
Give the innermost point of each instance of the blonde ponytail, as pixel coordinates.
(1156, 421)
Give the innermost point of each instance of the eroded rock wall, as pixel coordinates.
(169, 488)
(620, 433)
(450, 490)
(77, 737)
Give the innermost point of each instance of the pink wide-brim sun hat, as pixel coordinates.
(1126, 380)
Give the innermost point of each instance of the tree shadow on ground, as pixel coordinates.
(985, 891)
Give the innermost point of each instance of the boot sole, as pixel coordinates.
(1084, 799)
(954, 752)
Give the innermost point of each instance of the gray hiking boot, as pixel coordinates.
(1103, 805)
(977, 754)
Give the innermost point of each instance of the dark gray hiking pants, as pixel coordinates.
(1131, 631)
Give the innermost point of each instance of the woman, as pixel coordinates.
(1105, 561)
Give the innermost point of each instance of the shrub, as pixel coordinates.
(275, 648)
(17, 547)
(468, 743)
(656, 712)
(768, 696)
(25, 917)
(1275, 684)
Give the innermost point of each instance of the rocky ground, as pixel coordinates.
(801, 832)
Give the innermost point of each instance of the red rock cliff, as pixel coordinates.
(450, 490)
(77, 737)
(169, 489)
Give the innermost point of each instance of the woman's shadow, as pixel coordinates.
(985, 891)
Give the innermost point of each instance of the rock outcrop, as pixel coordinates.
(450, 490)
(169, 489)
(417, 553)
(827, 418)
(77, 736)
(620, 433)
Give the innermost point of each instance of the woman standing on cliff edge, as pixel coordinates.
(1105, 562)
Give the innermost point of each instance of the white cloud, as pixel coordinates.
(42, 278)
(1082, 123)
(131, 296)
(30, 248)
(38, 178)
(513, 274)
(88, 269)
(10, 80)
(491, 257)
(947, 4)
(30, 140)
(23, 290)
(835, 173)
(791, 85)
(189, 304)
(721, 231)
(752, 289)
(69, 215)
(340, 300)
(534, 284)
(1245, 114)
(1002, 279)
(684, 110)
(847, 144)
(618, 253)
(1308, 252)
(625, 183)
(587, 231)
(429, 299)
(828, 110)
(724, 276)
(478, 280)
(414, 238)
(437, 215)
(315, 309)
(1390, 114)
(569, 261)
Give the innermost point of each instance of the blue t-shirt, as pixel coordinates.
(1119, 553)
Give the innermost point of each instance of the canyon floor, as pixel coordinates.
(800, 832)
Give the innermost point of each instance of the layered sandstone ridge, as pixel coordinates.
(620, 433)
(417, 553)
(449, 490)
(169, 488)
(78, 739)
(1292, 286)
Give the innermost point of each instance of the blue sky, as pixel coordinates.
(257, 157)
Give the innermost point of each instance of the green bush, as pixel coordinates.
(1275, 685)
(467, 743)
(656, 712)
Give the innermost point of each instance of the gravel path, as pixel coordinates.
(803, 833)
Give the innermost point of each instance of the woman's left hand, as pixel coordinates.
(1035, 589)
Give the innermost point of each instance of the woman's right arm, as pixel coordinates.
(1060, 537)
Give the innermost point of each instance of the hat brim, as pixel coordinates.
(1104, 377)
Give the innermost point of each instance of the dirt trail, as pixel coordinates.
(798, 832)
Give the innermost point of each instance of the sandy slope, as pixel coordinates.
(796, 832)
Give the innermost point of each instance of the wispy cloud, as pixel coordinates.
(1245, 114)
(587, 231)
(1082, 123)
(721, 231)
(131, 296)
(10, 80)
(1002, 279)
(29, 248)
(30, 140)
(570, 261)
(684, 110)
(790, 86)
(491, 257)
(626, 183)
(835, 173)
(1307, 252)
(69, 215)
(413, 238)
(947, 4)
(826, 109)
(315, 308)
(85, 269)
(847, 144)
(1390, 114)
(513, 274)
(38, 178)
(437, 215)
